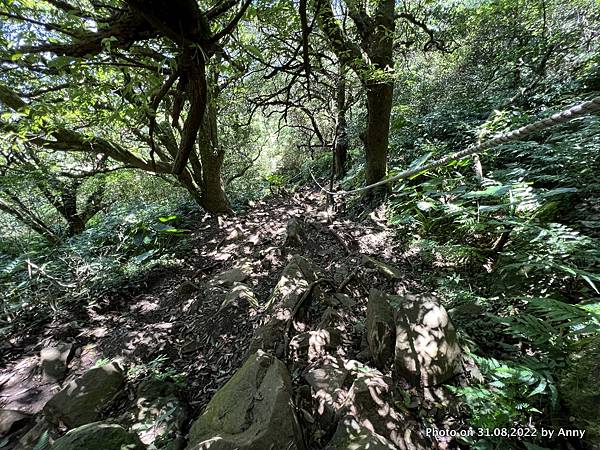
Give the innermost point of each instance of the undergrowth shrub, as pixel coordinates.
(523, 244)
(111, 252)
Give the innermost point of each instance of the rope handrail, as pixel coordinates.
(556, 119)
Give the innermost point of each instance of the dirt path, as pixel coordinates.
(175, 325)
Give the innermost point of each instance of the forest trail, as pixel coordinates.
(200, 320)
(456, 307)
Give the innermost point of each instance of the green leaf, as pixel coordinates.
(42, 442)
(420, 161)
(144, 256)
(559, 191)
(60, 61)
(540, 388)
(425, 206)
(492, 191)
(254, 50)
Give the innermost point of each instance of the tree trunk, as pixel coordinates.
(29, 220)
(214, 199)
(379, 109)
(341, 129)
(373, 63)
(379, 46)
(76, 225)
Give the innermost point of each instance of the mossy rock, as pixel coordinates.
(295, 280)
(380, 329)
(427, 351)
(252, 411)
(98, 436)
(79, 401)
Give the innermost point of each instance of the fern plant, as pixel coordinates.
(553, 325)
(513, 391)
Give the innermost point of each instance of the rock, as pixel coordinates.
(228, 278)
(345, 300)
(234, 235)
(391, 272)
(326, 380)
(54, 361)
(252, 411)
(159, 414)
(293, 232)
(470, 371)
(78, 402)
(98, 436)
(351, 435)
(371, 404)
(240, 271)
(380, 329)
(578, 386)
(312, 344)
(427, 351)
(240, 295)
(295, 280)
(38, 433)
(11, 420)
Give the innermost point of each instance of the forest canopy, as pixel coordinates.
(148, 146)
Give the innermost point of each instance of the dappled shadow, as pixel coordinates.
(176, 315)
(22, 388)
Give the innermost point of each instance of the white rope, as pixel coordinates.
(520, 133)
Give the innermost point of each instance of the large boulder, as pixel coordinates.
(79, 401)
(54, 360)
(309, 345)
(427, 351)
(326, 379)
(578, 385)
(380, 329)
(98, 436)
(252, 411)
(294, 283)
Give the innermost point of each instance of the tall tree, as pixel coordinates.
(371, 56)
(175, 39)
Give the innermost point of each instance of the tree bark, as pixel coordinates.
(29, 220)
(213, 198)
(379, 107)
(341, 129)
(376, 33)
